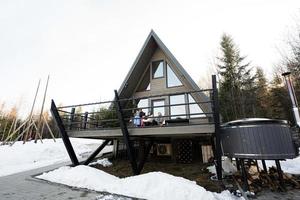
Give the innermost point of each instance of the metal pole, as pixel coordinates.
(41, 114)
(63, 133)
(129, 147)
(244, 175)
(238, 166)
(145, 156)
(292, 94)
(264, 166)
(280, 174)
(218, 156)
(31, 112)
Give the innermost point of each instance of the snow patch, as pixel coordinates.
(22, 157)
(104, 162)
(151, 186)
(228, 167)
(291, 166)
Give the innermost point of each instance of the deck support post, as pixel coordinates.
(264, 166)
(238, 165)
(216, 113)
(280, 174)
(257, 167)
(93, 155)
(145, 156)
(244, 175)
(63, 133)
(115, 148)
(128, 143)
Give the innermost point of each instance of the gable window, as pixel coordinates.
(148, 87)
(158, 69)
(194, 108)
(172, 79)
(179, 110)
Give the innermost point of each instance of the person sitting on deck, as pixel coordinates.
(142, 116)
(160, 119)
(149, 120)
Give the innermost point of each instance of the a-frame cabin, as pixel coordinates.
(159, 86)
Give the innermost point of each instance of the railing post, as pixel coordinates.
(126, 138)
(85, 120)
(216, 111)
(64, 134)
(72, 118)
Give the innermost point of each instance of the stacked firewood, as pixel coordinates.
(259, 180)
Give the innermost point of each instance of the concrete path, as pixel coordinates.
(23, 186)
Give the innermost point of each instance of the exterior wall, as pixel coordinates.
(158, 86)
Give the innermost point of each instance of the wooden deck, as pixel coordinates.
(169, 131)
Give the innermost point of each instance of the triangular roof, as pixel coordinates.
(151, 44)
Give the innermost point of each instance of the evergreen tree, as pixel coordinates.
(279, 102)
(261, 94)
(235, 81)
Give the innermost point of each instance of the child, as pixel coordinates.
(137, 119)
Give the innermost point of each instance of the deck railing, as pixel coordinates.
(103, 115)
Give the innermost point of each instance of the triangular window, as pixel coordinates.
(148, 87)
(195, 109)
(172, 79)
(158, 69)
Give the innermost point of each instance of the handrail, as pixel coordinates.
(134, 98)
(89, 120)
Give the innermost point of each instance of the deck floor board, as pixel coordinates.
(170, 131)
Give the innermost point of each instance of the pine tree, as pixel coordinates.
(235, 80)
(261, 94)
(280, 105)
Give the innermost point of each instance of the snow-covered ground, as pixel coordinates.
(151, 186)
(22, 157)
(227, 166)
(104, 162)
(291, 166)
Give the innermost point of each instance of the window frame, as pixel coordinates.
(186, 114)
(167, 76)
(163, 69)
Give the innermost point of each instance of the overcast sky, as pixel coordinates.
(88, 46)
